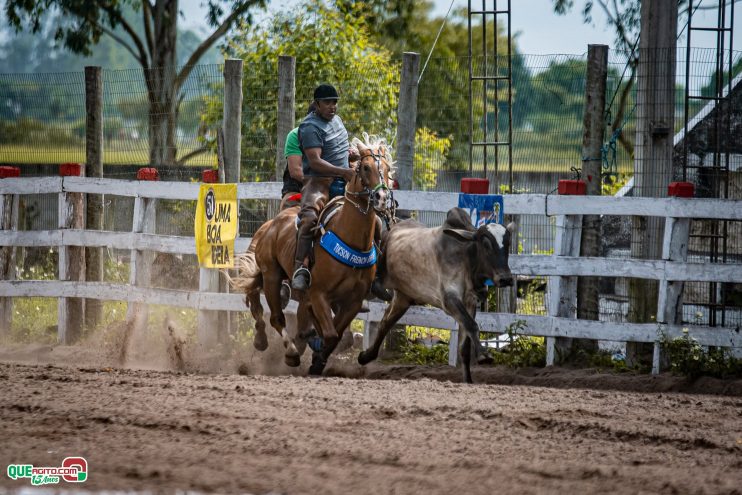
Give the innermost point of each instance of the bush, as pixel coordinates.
(420, 354)
(522, 351)
(32, 131)
(19, 132)
(689, 358)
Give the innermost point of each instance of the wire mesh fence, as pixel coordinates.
(43, 124)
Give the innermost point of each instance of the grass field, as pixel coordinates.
(136, 153)
(531, 155)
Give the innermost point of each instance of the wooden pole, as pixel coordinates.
(407, 119)
(9, 206)
(654, 144)
(94, 202)
(592, 142)
(71, 316)
(286, 108)
(670, 299)
(232, 158)
(210, 323)
(232, 119)
(405, 154)
(563, 290)
(144, 221)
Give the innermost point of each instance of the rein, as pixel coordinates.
(366, 192)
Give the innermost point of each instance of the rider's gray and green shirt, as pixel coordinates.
(331, 136)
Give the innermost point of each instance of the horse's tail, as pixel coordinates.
(248, 277)
(247, 272)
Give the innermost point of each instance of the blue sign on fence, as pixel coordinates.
(483, 208)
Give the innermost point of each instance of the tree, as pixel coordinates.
(329, 46)
(389, 21)
(152, 41)
(624, 17)
(443, 93)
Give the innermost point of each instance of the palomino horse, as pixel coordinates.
(337, 289)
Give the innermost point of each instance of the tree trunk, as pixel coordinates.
(588, 300)
(653, 153)
(161, 88)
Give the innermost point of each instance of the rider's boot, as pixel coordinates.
(302, 279)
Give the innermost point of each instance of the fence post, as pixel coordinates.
(9, 206)
(144, 222)
(563, 290)
(653, 153)
(232, 119)
(588, 307)
(232, 154)
(405, 154)
(407, 119)
(209, 323)
(674, 248)
(286, 107)
(94, 202)
(71, 315)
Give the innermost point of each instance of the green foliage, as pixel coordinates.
(532, 301)
(560, 89)
(430, 153)
(522, 351)
(689, 358)
(389, 20)
(414, 352)
(419, 354)
(610, 188)
(329, 46)
(34, 320)
(44, 266)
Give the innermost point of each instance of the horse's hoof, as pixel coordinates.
(260, 342)
(485, 358)
(292, 361)
(365, 357)
(318, 364)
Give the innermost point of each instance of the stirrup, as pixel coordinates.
(299, 280)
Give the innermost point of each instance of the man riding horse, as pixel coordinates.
(324, 143)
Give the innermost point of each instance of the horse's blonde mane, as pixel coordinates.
(374, 141)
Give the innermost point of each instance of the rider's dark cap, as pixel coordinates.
(326, 92)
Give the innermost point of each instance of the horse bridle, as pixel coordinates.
(367, 191)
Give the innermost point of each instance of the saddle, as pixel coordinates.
(332, 243)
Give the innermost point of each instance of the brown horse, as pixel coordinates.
(337, 290)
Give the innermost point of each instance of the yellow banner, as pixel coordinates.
(216, 225)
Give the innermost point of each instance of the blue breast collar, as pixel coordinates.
(346, 254)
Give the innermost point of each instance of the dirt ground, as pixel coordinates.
(247, 424)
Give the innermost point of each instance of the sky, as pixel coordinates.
(540, 30)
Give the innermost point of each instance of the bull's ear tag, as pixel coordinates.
(489, 283)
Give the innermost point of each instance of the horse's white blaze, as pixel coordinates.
(498, 231)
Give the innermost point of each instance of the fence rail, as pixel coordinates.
(515, 204)
(560, 266)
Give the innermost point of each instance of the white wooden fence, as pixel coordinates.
(671, 271)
